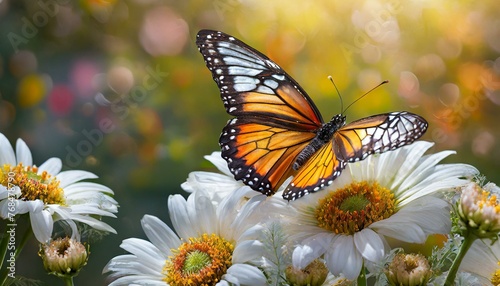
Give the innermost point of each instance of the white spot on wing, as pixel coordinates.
(237, 70)
(245, 79)
(265, 89)
(278, 76)
(240, 87)
(271, 83)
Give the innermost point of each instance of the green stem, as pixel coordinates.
(466, 244)
(68, 281)
(362, 277)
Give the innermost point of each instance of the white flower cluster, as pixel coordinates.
(225, 233)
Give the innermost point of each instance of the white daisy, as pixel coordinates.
(384, 195)
(49, 195)
(483, 261)
(215, 245)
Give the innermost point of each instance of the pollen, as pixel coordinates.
(201, 261)
(355, 207)
(495, 278)
(33, 186)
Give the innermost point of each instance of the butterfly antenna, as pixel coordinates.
(341, 101)
(384, 82)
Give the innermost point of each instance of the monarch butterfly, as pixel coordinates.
(278, 132)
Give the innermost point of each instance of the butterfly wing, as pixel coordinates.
(319, 171)
(259, 154)
(252, 85)
(377, 134)
(269, 106)
(354, 142)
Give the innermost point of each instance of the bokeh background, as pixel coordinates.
(118, 88)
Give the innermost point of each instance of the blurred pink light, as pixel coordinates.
(81, 76)
(163, 32)
(61, 100)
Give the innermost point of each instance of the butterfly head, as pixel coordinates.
(337, 121)
(325, 133)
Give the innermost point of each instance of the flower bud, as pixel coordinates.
(479, 210)
(63, 257)
(408, 270)
(313, 275)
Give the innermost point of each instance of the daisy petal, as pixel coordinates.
(418, 220)
(310, 249)
(51, 166)
(7, 156)
(229, 280)
(221, 164)
(411, 160)
(137, 280)
(247, 274)
(343, 257)
(146, 253)
(42, 225)
(23, 153)
(369, 244)
(249, 250)
(160, 234)
(201, 209)
(68, 177)
(224, 282)
(177, 208)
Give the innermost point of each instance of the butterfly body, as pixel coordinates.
(278, 132)
(323, 136)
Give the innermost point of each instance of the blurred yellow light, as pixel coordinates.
(31, 90)
(149, 122)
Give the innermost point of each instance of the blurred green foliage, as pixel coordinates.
(118, 88)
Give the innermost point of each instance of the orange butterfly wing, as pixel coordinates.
(275, 118)
(319, 171)
(261, 155)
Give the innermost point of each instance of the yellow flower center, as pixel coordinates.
(33, 186)
(354, 207)
(495, 278)
(201, 261)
